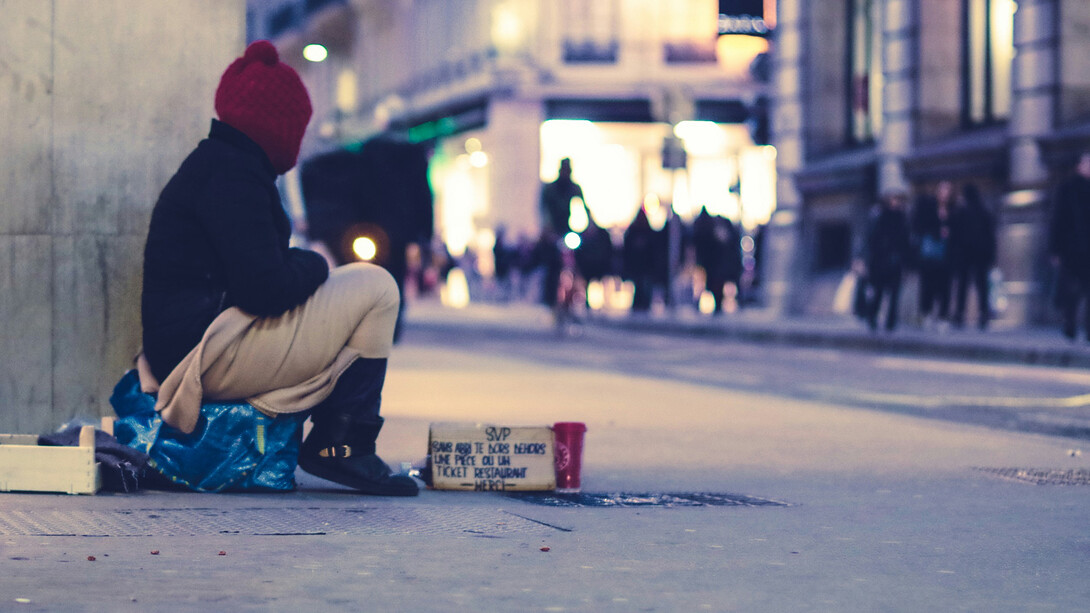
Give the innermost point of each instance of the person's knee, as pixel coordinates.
(372, 280)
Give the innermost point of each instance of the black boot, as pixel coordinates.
(341, 445)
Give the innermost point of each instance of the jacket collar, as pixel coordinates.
(226, 133)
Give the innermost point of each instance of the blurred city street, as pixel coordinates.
(722, 197)
(826, 503)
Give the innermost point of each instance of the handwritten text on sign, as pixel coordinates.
(485, 457)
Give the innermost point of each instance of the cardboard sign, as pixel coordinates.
(491, 458)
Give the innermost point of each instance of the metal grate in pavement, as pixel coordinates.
(698, 499)
(268, 521)
(1041, 476)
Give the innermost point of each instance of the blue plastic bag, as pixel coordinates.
(234, 447)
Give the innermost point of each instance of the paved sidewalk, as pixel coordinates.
(1027, 345)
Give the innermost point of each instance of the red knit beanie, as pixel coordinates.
(266, 100)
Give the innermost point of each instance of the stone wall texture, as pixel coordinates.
(99, 103)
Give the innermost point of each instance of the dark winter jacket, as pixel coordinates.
(594, 257)
(639, 250)
(887, 244)
(219, 238)
(556, 205)
(1069, 234)
(972, 238)
(718, 248)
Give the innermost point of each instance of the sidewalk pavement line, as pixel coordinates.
(934, 402)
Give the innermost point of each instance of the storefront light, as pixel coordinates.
(577, 215)
(757, 177)
(682, 198)
(507, 28)
(455, 292)
(701, 137)
(737, 52)
(596, 295)
(560, 137)
(656, 213)
(457, 208)
(478, 159)
(346, 91)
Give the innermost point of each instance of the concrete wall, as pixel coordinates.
(99, 103)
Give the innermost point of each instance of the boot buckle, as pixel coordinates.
(337, 451)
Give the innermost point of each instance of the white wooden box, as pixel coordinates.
(27, 467)
(490, 457)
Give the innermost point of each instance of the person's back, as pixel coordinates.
(219, 237)
(887, 242)
(1069, 235)
(972, 233)
(708, 243)
(556, 200)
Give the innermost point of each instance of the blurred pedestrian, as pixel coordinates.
(556, 204)
(639, 260)
(594, 257)
(972, 253)
(931, 232)
(718, 251)
(527, 263)
(503, 263)
(230, 311)
(735, 262)
(1069, 245)
(887, 251)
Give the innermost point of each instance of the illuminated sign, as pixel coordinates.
(742, 17)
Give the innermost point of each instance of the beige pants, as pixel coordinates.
(288, 363)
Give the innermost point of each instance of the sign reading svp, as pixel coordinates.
(491, 458)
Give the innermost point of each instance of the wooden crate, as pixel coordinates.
(27, 467)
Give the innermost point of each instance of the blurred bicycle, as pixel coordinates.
(570, 289)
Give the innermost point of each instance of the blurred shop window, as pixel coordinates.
(987, 55)
(865, 79)
(1074, 70)
(590, 31)
(743, 29)
(690, 29)
(691, 52)
(281, 20)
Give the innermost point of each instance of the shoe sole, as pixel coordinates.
(369, 488)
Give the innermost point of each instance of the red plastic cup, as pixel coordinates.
(569, 455)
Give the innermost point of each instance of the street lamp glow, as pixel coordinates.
(365, 248)
(315, 53)
(572, 241)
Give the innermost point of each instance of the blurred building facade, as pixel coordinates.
(879, 95)
(506, 88)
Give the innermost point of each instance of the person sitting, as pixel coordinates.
(230, 311)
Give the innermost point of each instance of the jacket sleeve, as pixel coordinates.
(264, 277)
